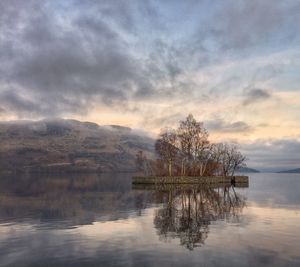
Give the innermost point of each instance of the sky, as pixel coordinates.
(233, 64)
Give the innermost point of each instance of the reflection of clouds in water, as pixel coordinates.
(274, 190)
(126, 235)
(268, 231)
(97, 240)
(132, 238)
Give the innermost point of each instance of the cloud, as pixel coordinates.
(82, 56)
(219, 125)
(171, 120)
(264, 124)
(87, 61)
(253, 24)
(255, 95)
(13, 101)
(273, 154)
(70, 57)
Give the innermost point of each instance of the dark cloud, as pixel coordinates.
(255, 95)
(88, 62)
(273, 154)
(241, 25)
(86, 57)
(267, 72)
(14, 101)
(74, 55)
(25, 107)
(219, 125)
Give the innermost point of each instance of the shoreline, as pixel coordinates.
(189, 179)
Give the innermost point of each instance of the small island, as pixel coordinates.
(186, 156)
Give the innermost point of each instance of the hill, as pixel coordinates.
(69, 145)
(247, 170)
(291, 171)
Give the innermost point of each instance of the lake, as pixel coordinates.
(102, 220)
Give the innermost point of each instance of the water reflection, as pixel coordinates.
(91, 220)
(184, 213)
(67, 201)
(187, 211)
(64, 201)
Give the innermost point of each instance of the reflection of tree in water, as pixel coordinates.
(186, 214)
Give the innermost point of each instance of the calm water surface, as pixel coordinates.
(90, 220)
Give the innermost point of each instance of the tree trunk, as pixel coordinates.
(233, 171)
(204, 169)
(170, 168)
(201, 170)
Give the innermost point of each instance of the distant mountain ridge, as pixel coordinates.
(291, 171)
(69, 145)
(248, 170)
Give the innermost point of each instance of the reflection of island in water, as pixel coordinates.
(187, 212)
(180, 212)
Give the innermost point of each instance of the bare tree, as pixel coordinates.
(166, 148)
(216, 155)
(238, 161)
(193, 139)
(204, 155)
(187, 151)
(230, 158)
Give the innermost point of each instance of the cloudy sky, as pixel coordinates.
(234, 64)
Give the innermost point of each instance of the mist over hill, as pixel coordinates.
(69, 145)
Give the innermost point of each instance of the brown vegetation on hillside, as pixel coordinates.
(69, 146)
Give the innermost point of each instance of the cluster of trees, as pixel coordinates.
(186, 151)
